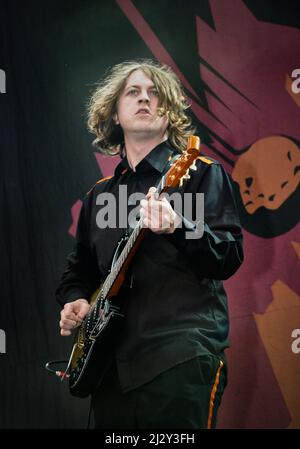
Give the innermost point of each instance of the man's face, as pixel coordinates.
(137, 108)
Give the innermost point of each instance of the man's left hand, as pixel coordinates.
(158, 214)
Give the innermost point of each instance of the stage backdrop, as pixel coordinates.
(239, 62)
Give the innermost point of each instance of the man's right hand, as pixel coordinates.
(72, 315)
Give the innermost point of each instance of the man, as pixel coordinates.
(169, 367)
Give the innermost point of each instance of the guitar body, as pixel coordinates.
(94, 341)
(92, 356)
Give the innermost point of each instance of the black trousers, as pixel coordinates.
(186, 396)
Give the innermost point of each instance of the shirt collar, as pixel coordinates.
(157, 159)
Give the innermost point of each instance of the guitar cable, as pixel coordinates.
(61, 374)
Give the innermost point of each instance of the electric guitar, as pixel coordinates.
(96, 336)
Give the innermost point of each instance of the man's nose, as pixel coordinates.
(144, 97)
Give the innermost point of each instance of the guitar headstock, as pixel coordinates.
(186, 162)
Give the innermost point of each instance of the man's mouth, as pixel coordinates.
(143, 111)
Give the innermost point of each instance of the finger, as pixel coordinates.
(65, 333)
(69, 306)
(69, 309)
(67, 324)
(150, 226)
(145, 222)
(153, 221)
(83, 312)
(154, 204)
(81, 308)
(69, 316)
(154, 209)
(165, 201)
(167, 208)
(148, 223)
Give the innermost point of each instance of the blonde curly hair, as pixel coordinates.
(102, 105)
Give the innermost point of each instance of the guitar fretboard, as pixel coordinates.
(109, 281)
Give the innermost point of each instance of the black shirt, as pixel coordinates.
(176, 306)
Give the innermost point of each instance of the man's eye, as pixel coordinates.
(154, 92)
(133, 92)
